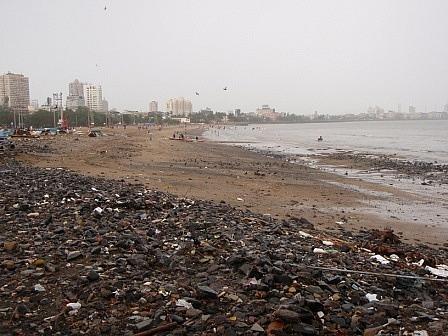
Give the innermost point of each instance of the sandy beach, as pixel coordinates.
(222, 173)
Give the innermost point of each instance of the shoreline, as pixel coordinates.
(239, 177)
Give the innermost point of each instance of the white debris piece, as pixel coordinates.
(394, 257)
(419, 263)
(441, 270)
(319, 250)
(380, 259)
(420, 333)
(74, 305)
(39, 288)
(371, 297)
(98, 210)
(239, 199)
(327, 243)
(305, 235)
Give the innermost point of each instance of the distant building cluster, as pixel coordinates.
(15, 91)
(179, 107)
(268, 113)
(378, 113)
(15, 94)
(153, 106)
(88, 95)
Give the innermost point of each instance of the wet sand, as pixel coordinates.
(218, 172)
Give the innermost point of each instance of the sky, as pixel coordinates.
(298, 56)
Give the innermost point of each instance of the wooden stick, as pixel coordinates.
(158, 329)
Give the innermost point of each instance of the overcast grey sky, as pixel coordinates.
(298, 56)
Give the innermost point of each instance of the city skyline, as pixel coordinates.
(311, 56)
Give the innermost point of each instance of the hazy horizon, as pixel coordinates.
(297, 56)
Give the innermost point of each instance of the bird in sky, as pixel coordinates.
(197, 93)
(105, 7)
(225, 88)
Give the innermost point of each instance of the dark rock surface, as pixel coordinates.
(89, 256)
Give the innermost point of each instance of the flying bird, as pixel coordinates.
(225, 88)
(105, 7)
(197, 93)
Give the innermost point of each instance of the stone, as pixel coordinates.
(257, 328)
(93, 275)
(9, 245)
(74, 255)
(143, 325)
(287, 315)
(192, 312)
(314, 305)
(207, 292)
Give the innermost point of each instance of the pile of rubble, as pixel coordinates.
(89, 256)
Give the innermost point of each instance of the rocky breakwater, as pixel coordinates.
(88, 256)
(429, 172)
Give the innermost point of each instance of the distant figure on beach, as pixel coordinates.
(320, 138)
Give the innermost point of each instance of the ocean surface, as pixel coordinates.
(414, 140)
(421, 140)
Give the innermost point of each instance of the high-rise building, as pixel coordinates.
(179, 107)
(153, 106)
(75, 88)
(412, 109)
(105, 106)
(15, 91)
(73, 102)
(93, 95)
(75, 96)
(34, 105)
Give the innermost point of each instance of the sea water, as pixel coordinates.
(421, 140)
(414, 140)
